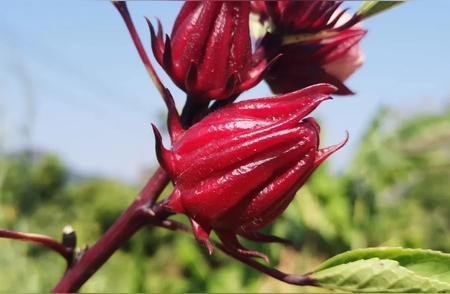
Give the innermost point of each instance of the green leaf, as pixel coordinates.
(386, 270)
(370, 8)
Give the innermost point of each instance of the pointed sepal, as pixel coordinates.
(173, 118)
(230, 242)
(324, 153)
(202, 235)
(165, 156)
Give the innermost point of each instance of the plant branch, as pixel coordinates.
(299, 280)
(121, 231)
(171, 225)
(43, 240)
(121, 6)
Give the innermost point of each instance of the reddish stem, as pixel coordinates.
(46, 241)
(123, 10)
(122, 230)
(299, 280)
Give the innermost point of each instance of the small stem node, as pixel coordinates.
(69, 237)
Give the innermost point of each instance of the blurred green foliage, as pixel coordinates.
(396, 191)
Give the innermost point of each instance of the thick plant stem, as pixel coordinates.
(121, 231)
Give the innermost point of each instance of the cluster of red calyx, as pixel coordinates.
(236, 170)
(319, 43)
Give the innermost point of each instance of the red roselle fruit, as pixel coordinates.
(209, 52)
(237, 170)
(319, 43)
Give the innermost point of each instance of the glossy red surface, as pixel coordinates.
(208, 54)
(239, 168)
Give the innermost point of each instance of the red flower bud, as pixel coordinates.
(317, 40)
(237, 170)
(209, 52)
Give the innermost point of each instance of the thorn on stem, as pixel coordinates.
(150, 212)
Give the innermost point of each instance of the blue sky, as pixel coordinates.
(69, 72)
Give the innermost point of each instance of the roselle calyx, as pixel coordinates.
(209, 52)
(317, 40)
(237, 170)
